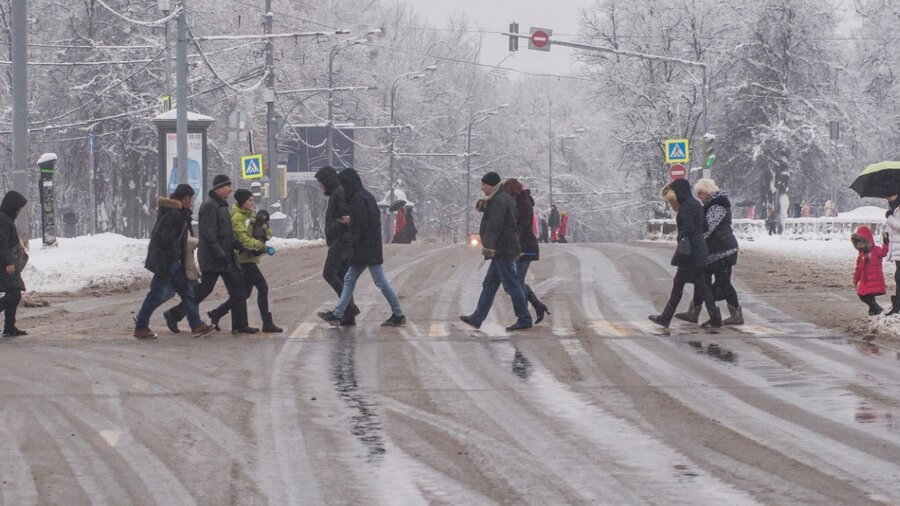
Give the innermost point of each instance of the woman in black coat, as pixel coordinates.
(12, 258)
(690, 254)
(527, 241)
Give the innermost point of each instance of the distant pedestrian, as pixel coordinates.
(554, 223)
(13, 258)
(830, 211)
(531, 251)
(868, 277)
(217, 257)
(805, 211)
(892, 225)
(252, 232)
(563, 226)
(405, 227)
(366, 253)
(771, 220)
(690, 253)
(166, 260)
(337, 237)
(545, 231)
(500, 244)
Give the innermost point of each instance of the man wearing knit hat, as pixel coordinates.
(217, 259)
(500, 243)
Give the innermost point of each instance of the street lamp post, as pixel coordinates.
(478, 116)
(334, 51)
(396, 84)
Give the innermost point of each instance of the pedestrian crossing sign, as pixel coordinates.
(677, 151)
(251, 167)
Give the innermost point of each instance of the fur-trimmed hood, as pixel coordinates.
(168, 203)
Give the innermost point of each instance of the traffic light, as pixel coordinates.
(513, 39)
(709, 150)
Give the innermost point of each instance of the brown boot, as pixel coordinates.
(737, 316)
(144, 334)
(692, 315)
(202, 330)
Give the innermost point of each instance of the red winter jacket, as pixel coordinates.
(869, 275)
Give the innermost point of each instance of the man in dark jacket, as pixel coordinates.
(337, 237)
(554, 224)
(365, 236)
(12, 258)
(500, 243)
(165, 259)
(690, 255)
(217, 259)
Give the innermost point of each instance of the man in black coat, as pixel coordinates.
(554, 223)
(337, 237)
(165, 259)
(500, 243)
(217, 259)
(365, 236)
(12, 261)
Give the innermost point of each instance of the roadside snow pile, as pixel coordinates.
(103, 262)
(865, 213)
(830, 251)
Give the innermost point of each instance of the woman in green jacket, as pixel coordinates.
(253, 245)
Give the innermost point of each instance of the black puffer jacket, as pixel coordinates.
(365, 221)
(525, 222)
(217, 242)
(168, 239)
(337, 234)
(499, 232)
(11, 251)
(691, 224)
(722, 238)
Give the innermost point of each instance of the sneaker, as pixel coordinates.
(14, 332)
(202, 330)
(144, 334)
(518, 326)
(394, 321)
(329, 317)
(171, 322)
(469, 321)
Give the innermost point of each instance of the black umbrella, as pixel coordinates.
(397, 205)
(879, 180)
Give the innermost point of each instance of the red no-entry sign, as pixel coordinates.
(677, 171)
(540, 39)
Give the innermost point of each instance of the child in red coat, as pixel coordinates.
(869, 275)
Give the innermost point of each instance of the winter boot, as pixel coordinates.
(664, 319)
(875, 309)
(895, 306)
(737, 316)
(540, 308)
(394, 321)
(142, 334)
(202, 330)
(214, 319)
(245, 330)
(13, 332)
(269, 325)
(692, 315)
(171, 321)
(715, 319)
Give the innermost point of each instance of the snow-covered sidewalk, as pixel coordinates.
(100, 261)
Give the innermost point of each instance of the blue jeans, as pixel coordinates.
(161, 288)
(502, 271)
(377, 272)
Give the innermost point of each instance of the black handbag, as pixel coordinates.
(684, 246)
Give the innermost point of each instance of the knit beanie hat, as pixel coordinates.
(220, 181)
(491, 178)
(242, 195)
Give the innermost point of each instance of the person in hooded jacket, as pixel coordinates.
(166, 260)
(217, 258)
(892, 226)
(690, 254)
(500, 244)
(531, 251)
(554, 223)
(868, 277)
(337, 237)
(13, 259)
(723, 254)
(365, 236)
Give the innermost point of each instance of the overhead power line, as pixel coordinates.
(158, 22)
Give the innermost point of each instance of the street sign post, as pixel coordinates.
(251, 167)
(540, 39)
(677, 171)
(677, 151)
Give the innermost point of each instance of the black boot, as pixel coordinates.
(540, 308)
(664, 319)
(895, 307)
(214, 319)
(715, 318)
(269, 325)
(875, 309)
(171, 321)
(13, 332)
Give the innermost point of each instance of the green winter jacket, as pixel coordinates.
(242, 223)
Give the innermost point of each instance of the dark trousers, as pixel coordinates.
(9, 304)
(871, 302)
(253, 278)
(718, 279)
(161, 290)
(336, 266)
(502, 272)
(897, 282)
(772, 227)
(237, 299)
(684, 276)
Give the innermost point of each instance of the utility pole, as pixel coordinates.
(550, 148)
(19, 49)
(181, 124)
(271, 120)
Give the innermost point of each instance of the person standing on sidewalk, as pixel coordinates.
(500, 244)
(252, 239)
(365, 236)
(218, 259)
(13, 258)
(166, 260)
(337, 237)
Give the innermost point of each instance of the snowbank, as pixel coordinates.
(865, 213)
(103, 261)
(831, 251)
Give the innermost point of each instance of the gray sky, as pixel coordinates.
(559, 15)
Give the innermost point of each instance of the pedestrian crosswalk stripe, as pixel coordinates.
(606, 328)
(304, 330)
(438, 330)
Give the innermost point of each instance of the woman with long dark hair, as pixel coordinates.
(527, 241)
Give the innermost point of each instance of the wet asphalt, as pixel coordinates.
(596, 405)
